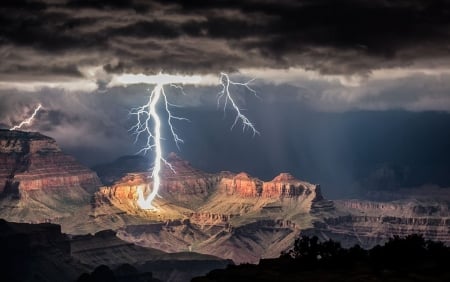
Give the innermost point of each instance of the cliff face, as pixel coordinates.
(185, 184)
(182, 189)
(190, 191)
(38, 181)
(282, 186)
(368, 223)
(32, 161)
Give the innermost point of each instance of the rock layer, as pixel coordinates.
(368, 223)
(38, 182)
(31, 161)
(191, 191)
(282, 186)
(234, 216)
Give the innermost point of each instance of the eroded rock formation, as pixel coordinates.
(282, 186)
(32, 161)
(38, 182)
(199, 212)
(368, 223)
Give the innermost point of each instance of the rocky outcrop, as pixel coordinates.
(181, 181)
(285, 185)
(410, 208)
(124, 189)
(31, 161)
(234, 216)
(203, 218)
(186, 192)
(38, 182)
(242, 184)
(368, 223)
(282, 186)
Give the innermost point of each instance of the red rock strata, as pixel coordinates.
(31, 161)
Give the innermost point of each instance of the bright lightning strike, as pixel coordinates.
(149, 122)
(29, 120)
(146, 117)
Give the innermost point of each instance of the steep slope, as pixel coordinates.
(246, 243)
(38, 182)
(105, 248)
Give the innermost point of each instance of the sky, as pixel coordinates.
(354, 95)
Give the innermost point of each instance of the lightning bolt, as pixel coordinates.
(147, 116)
(225, 94)
(149, 123)
(29, 120)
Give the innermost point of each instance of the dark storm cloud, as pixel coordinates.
(343, 37)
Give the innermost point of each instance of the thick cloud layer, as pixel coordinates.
(328, 74)
(332, 37)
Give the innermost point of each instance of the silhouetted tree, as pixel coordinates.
(306, 248)
(400, 259)
(356, 253)
(311, 249)
(330, 249)
(400, 252)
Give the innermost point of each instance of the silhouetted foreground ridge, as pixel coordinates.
(401, 259)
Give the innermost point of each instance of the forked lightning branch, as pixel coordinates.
(149, 124)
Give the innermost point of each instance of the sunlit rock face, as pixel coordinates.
(38, 181)
(282, 186)
(234, 216)
(240, 217)
(241, 184)
(184, 187)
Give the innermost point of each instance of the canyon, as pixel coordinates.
(234, 216)
(220, 217)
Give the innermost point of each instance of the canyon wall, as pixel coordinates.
(282, 186)
(38, 182)
(234, 216)
(31, 161)
(369, 223)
